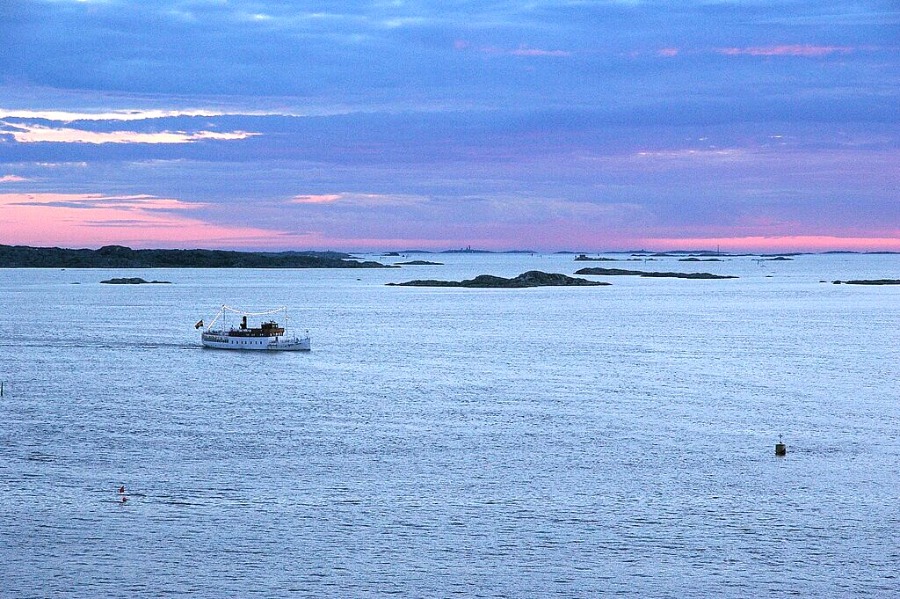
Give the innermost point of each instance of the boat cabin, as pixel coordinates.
(266, 329)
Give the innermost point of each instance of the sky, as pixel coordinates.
(607, 125)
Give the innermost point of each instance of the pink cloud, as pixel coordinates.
(85, 220)
(96, 201)
(12, 179)
(786, 50)
(668, 52)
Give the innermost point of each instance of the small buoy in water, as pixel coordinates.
(122, 489)
(780, 448)
(124, 499)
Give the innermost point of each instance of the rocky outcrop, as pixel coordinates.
(641, 273)
(692, 259)
(532, 278)
(869, 282)
(132, 281)
(586, 258)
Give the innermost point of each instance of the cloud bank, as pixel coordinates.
(554, 125)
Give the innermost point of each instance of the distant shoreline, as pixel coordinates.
(587, 256)
(116, 256)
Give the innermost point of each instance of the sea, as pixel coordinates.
(452, 442)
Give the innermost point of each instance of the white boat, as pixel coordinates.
(268, 335)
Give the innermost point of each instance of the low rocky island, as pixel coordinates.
(642, 273)
(133, 281)
(419, 263)
(869, 282)
(532, 278)
(586, 258)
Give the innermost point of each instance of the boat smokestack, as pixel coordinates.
(243, 322)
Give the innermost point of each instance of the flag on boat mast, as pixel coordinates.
(199, 324)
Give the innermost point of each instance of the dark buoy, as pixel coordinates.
(780, 448)
(122, 489)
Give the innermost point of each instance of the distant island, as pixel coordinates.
(132, 281)
(641, 273)
(116, 256)
(466, 250)
(680, 253)
(532, 278)
(869, 282)
(469, 250)
(419, 263)
(586, 258)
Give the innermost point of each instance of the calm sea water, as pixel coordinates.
(545, 442)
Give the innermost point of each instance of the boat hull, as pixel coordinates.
(217, 341)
